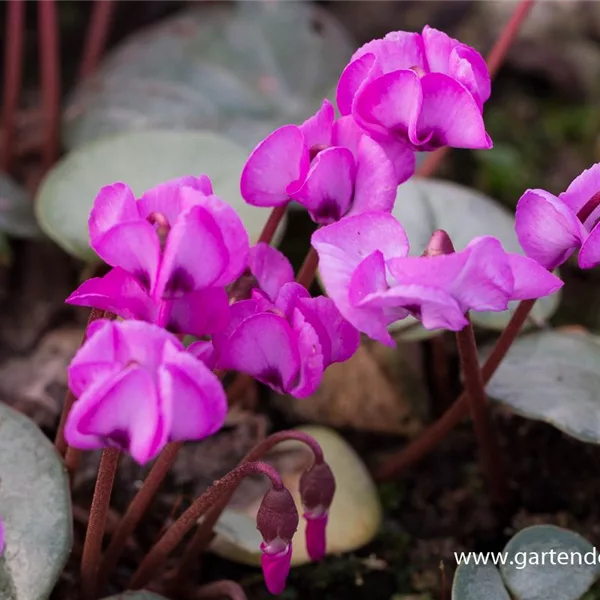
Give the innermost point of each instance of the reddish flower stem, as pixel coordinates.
(97, 34)
(491, 459)
(169, 541)
(92, 546)
(13, 69)
(436, 432)
(494, 61)
(272, 223)
(307, 271)
(50, 70)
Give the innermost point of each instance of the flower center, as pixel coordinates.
(162, 226)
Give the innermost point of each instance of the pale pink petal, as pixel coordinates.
(547, 229)
(532, 281)
(581, 190)
(114, 204)
(589, 255)
(270, 268)
(199, 313)
(449, 116)
(279, 160)
(311, 357)
(327, 190)
(194, 257)
(317, 129)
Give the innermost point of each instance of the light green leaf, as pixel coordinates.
(142, 160)
(543, 564)
(35, 505)
(16, 209)
(424, 205)
(553, 376)
(478, 582)
(240, 68)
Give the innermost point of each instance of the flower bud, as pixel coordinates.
(439, 243)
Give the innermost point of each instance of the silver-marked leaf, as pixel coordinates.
(142, 160)
(16, 209)
(478, 582)
(239, 68)
(424, 205)
(545, 562)
(553, 376)
(35, 505)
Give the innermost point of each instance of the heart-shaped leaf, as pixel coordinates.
(478, 582)
(16, 209)
(241, 68)
(35, 505)
(142, 160)
(424, 205)
(553, 376)
(545, 562)
(141, 595)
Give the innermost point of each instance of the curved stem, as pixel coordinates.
(204, 533)
(169, 541)
(272, 223)
(92, 546)
(95, 39)
(491, 459)
(135, 511)
(436, 432)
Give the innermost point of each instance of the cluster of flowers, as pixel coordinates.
(182, 264)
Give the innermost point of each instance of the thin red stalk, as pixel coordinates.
(92, 546)
(491, 458)
(437, 431)
(97, 34)
(306, 274)
(203, 535)
(441, 375)
(168, 542)
(50, 70)
(272, 223)
(494, 61)
(13, 69)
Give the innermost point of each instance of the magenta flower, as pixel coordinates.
(138, 389)
(422, 90)
(280, 335)
(551, 228)
(367, 273)
(173, 252)
(331, 168)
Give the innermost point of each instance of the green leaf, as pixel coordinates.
(141, 595)
(240, 68)
(16, 209)
(424, 205)
(35, 505)
(478, 582)
(142, 160)
(532, 572)
(553, 376)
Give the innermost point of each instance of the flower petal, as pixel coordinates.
(114, 204)
(204, 351)
(402, 156)
(264, 346)
(317, 129)
(186, 265)
(357, 73)
(582, 189)
(276, 568)
(196, 394)
(199, 313)
(311, 357)
(589, 255)
(270, 268)
(532, 281)
(547, 229)
(327, 190)
(316, 543)
(279, 160)
(289, 297)
(449, 116)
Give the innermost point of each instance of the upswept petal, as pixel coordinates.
(289, 297)
(311, 357)
(317, 129)
(468, 67)
(347, 133)
(397, 50)
(589, 255)
(547, 229)
(265, 347)
(582, 189)
(356, 74)
(118, 292)
(203, 312)
(270, 268)
(239, 312)
(113, 205)
(449, 116)
(195, 255)
(327, 190)
(532, 281)
(438, 46)
(279, 160)
(134, 246)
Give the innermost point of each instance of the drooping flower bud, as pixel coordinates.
(317, 487)
(277, 521)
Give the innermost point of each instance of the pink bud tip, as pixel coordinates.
(440, 243)
(316, 543)
(276, 568)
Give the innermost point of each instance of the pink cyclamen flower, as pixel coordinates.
(173, 251)
(137, 389)
(366, 270)
(425, 90)
(280, 335)
(331, 168)
(551, 228)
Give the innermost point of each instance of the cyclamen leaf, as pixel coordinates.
(35, 506)
(476, 582)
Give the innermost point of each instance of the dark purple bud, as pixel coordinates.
(277, 519)
(440, 243)
(317, 487)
